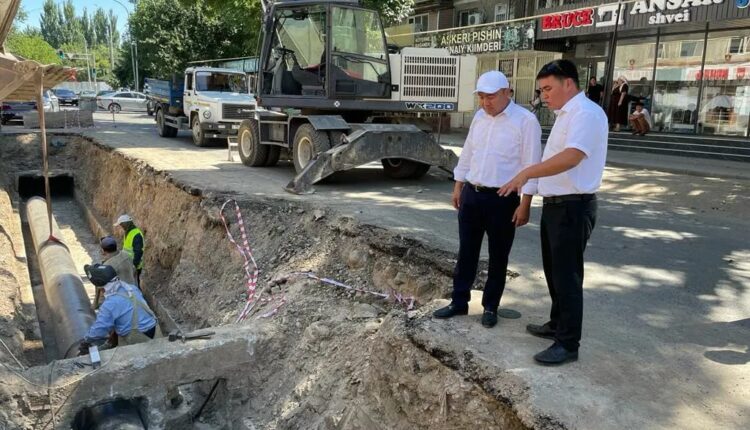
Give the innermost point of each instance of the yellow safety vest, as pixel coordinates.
(127, 245)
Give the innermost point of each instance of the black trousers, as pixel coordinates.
(480, 213)
(565, 230)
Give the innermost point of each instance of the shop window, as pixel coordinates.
(691, 48)
(547, 4)
(420, 22)
(506, 66)
(739, 45)
(504, 11)
(469, 17)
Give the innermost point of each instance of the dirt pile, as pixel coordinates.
(335, 358)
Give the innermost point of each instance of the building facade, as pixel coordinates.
(494, 31)
(687, 60)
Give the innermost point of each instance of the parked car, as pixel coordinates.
(66, 96)
(123, 101)
(12, 110)
(87, 94)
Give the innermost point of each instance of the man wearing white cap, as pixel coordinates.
(503, 139)
(133, 243)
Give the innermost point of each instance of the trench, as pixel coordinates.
(324, 358)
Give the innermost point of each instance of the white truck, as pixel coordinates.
(211, 102)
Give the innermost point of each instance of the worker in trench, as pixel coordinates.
(133, 244)
(119, 260)
(123, 311)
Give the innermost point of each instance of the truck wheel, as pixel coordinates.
(252, 153)
(162, 127)
(114, 108)
(199, 137)
(401, 168)
(274, 153)
(308, 143)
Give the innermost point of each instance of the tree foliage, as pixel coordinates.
(61, 25)
(391, 11)
(171, 33)
(32, 47)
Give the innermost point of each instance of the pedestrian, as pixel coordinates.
(536, 103)
(569, 176)
(595, 91)
(618, 104)
(119, 260)
(503, 139)
(124, 311)
(133, 244)
(640, 120)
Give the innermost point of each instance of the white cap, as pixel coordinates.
(123, 218)
(491, 82)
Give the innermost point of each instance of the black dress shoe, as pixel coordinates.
(544, 330)
(489, 318)
(450, 311)
(556, 354)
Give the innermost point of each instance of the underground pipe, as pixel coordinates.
(68, 302)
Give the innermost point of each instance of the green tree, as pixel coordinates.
(391, 11)
(31, 47)
(170, 33)
(50, 23)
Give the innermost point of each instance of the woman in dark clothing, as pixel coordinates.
(618, 105)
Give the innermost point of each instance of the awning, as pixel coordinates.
(19, 78)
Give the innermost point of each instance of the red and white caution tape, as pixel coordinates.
(247, 254)
(253, 295)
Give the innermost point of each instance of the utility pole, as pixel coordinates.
(111, 54)
(88, 65)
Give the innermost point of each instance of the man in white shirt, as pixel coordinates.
(640, 120)
(503, 139)
(569, 174)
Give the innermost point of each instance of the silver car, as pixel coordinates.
(122, 101)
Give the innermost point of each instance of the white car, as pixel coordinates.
(122, 101)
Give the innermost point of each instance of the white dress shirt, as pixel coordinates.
(580, 124)
(498, 147)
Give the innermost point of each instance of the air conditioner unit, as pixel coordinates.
(475, 18)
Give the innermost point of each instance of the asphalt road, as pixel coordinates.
(667, 292)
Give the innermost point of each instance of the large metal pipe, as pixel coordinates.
(66, 297)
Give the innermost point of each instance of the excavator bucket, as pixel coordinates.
(367, 143)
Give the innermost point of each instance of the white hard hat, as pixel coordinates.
(123, 218)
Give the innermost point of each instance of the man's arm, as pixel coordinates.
(562, 162)
(462, 168)
(137, 249)
(104, 324)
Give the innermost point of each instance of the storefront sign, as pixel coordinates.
(669, 11)
(576, 18)
(479, 40)
(639, 14)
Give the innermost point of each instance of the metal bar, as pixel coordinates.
(703, 80)
(68, 302)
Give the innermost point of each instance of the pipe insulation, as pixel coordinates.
(67, 299)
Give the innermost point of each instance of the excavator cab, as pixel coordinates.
(322, 50)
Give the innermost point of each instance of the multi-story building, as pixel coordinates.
(688, 60)
(495, 31)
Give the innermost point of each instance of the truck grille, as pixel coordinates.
(427, 79)
(237, 111)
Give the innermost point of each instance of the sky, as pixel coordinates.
(34, 9)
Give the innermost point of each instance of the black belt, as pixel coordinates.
(481, 189)
(568, 198)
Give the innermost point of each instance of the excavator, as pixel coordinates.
(332, 94)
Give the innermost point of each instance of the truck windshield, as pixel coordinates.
(223, 82)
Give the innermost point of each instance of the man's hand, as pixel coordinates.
(456, 197)
(514, 186)
(521, 215)
(83, 348)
